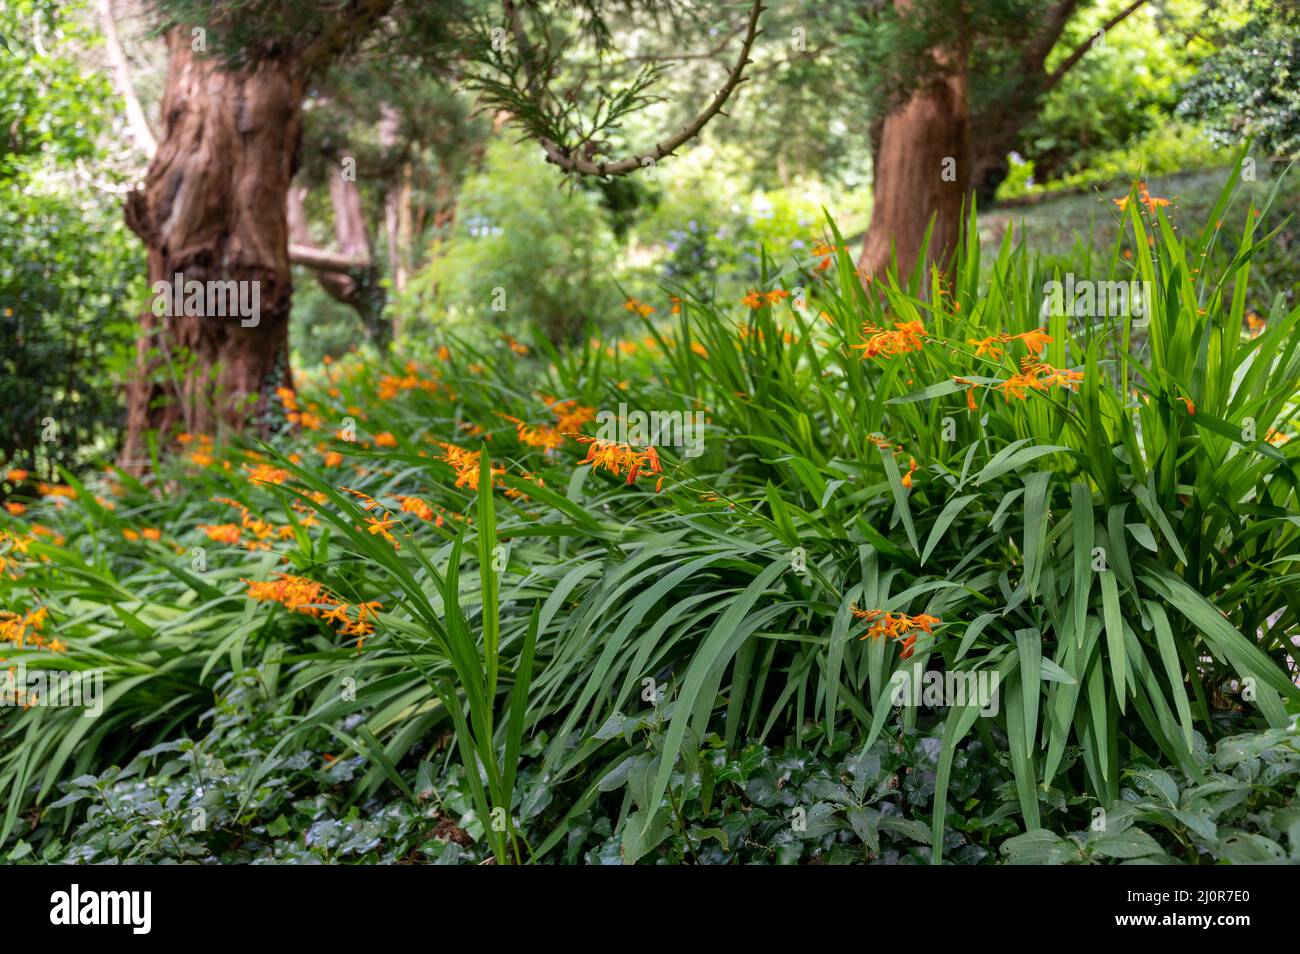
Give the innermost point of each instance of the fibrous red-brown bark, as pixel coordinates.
(212, 208)
(922, 168)
(936, 125)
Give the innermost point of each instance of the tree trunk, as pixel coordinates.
(353, 277)
(212, 208)
(922, 168)
(994, 137)
(397, 196)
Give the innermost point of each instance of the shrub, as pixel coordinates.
(516, 229)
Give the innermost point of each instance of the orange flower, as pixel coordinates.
(514, 493)
(907, 478)
(295, 593)
(1059, 377)
(1035, 340)
(266, 474)
(970, 391)
(466, 465)
(301, 595)
(827, 254)
(368, 502)
(988, 346)
(1037, 376)
(15, 508)
(897, 626)
(754, 300)
(1191, 408)
(130, 535)
(1145, 197)
(227, 533)
(385, 440)
(19, 629)
(569, 415)
(907, 336)
(416, 506)
(333, 459)
(544, 437)
(16, 476)
(390, 385)
(883, 442)
(379, 527)
(615, 458)
(638, 307)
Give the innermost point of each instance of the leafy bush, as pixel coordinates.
(231, 797)
(69, 276)
(517, 229)
(1119, 97)
(711, 226)
(1165, 150)
(1248, 89)
(1243, 811)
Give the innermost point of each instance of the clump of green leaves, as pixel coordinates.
(231, 796)
(1242, 810)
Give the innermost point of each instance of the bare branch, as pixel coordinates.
(1040, 48)
(1078, 53)
(321, 260)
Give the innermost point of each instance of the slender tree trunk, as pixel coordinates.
(212, 208)
(350, 275)
(922, 168)
(396, 205)
(135, 120)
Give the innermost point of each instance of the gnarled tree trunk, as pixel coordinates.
(212, 209)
